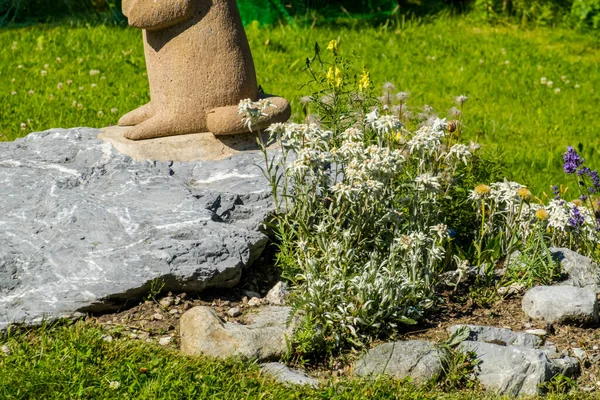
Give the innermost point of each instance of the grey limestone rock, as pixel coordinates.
(561, 304)
(509, 370)
(583, 271)
(419, 360)
(282, 373)
(85, 228)
(513, 363)
(263, 337)
(501, 336)
(278, 294)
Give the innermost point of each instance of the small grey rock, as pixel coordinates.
(561, 304)
(264, 337)
(5, 350)
(282, 373)
(278, 294)
(567, 366)
(579, 353)
(537, 332)
(166, 302)
(253, 302)
(165, 340)
(107, 338)
(504, 336)
(234, 312)
(583, 271)
(157, 316)
(418, 359)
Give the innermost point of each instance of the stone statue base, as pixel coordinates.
(203, 146)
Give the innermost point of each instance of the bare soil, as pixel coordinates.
(157, 320)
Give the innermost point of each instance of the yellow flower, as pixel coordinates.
(482, 190)
(524, 193)
(334, 77)
(365, 80)
(333, 46)
(541, 214)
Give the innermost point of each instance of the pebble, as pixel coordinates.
(157, 316)
(253, 302)
(164, 341)
(107, 338)
(579, 353)
(166, 302)
(174, 311)
(537, 332)
(234, 312)
(595, 348)
(5, 349)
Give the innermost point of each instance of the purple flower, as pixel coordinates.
(576, 220)
(583, 197)
(556, 191)
(595, 178)
(583, 171)
(572, 161)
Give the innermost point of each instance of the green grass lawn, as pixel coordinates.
(101, 74)
(62, 76)
(73, 361)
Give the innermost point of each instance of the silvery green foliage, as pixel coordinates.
(361, 230)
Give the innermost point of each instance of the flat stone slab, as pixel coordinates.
(283, 374)
(561, 304)
(191, 147)
(502, 336)
(419, 360)
(264, 336)
(86, 228)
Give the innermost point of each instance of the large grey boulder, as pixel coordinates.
(264, 336)
(502, 336)
(583, 272)
(283, 374)
(419, 360)
(561, 304)
(513, 363)
(85, 228)
(509, 370)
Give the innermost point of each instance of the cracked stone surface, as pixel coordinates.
(85, 228)
(418, 359)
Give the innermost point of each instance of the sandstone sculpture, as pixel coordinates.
(199, 68)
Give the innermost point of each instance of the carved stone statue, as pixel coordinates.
(199, 68)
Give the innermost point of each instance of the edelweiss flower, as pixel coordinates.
(459, 152)
(427, 181)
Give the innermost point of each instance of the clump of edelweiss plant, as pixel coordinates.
(370, 214)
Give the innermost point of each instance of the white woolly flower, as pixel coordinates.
(427, 181)
(426, 140)
(383, 124)
(353, 135)
(251, 111)
(459, 152)
(558, 214)
(441, 230)
(439, 125)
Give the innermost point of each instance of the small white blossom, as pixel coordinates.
(427, 181)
